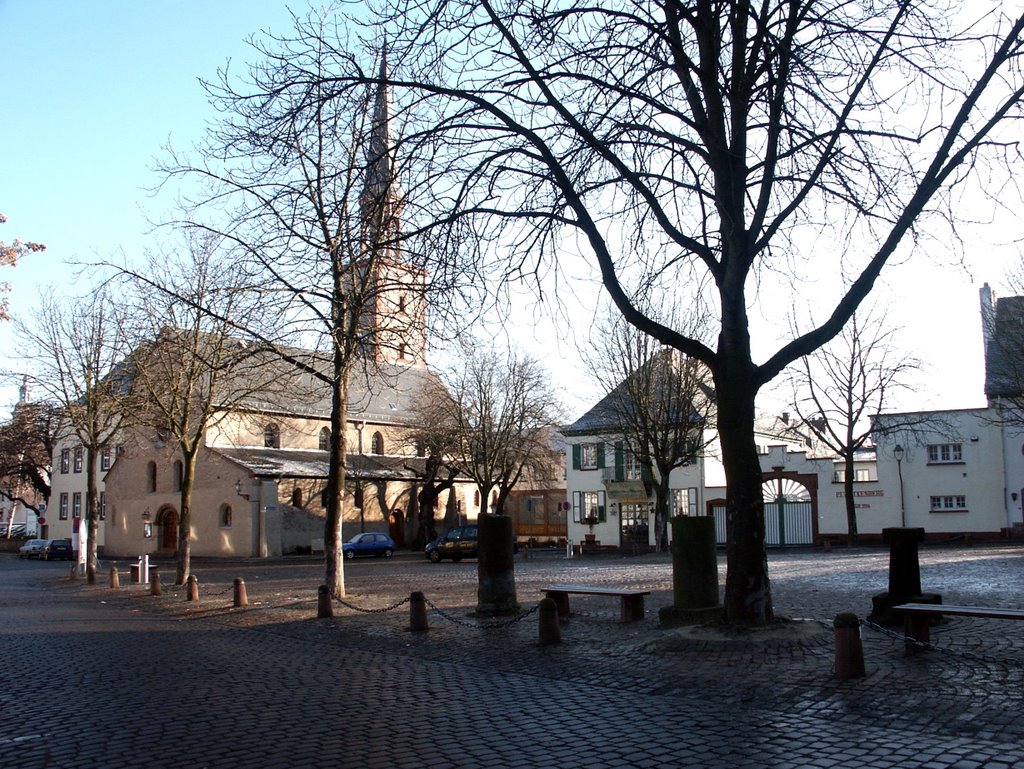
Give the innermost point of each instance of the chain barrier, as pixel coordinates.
(928, 646)
(383, 610)
(476, 625)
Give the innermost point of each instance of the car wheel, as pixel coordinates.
(434, 556)
(350, 554)
(388, 553)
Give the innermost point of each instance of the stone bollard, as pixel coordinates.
(849, 650)
(241, 599)
(154, 583)
(550, 632)
(73, 574)
(193, 588)
(417, 612)
(115, 579)
(324, 607)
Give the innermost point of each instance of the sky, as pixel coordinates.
(93, 91)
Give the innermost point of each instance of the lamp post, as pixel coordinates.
(898, 453)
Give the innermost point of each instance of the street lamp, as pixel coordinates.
(898, 453)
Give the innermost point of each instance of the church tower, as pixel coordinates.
(395, 315)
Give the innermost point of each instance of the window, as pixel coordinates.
(64, 507)
(296, 497)
(272, 436)
(588, 507)
(939, 453)
(78, 459)
(588, 456)
(151, 477)
(357, 497)
(225, 516)
(377, 444)
(103, 505)
(631, 466)
(860, 475)
(76, 505)
(65, 461)
(325, 439)
(949, 502)
(686, 501)
(179, 474)
(105, 458)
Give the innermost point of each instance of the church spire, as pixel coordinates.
(379, 203)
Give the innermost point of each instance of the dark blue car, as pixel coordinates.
(369, 543)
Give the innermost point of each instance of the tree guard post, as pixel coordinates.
(849, 650)
(241, 599)
(115, 579)
(193, 588)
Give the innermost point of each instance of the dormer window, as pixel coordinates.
(272, 436)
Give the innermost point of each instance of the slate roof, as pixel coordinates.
(1004, 352)
(308, 463)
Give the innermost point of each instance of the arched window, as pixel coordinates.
(179, 474)
(377, 444)
(225, 515)
(296, 497)
(272, 436)
(325, 439)
(476, 498)
(151, 477)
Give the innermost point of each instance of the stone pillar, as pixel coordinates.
(496, 591)
(694, 572)
(904, 576)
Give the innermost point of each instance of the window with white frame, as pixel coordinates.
(105, 458)
(76, 505)
(588, 456)
(79, 452)
(103, 505)
(939, 453)
(588, 507)
(686, 501)
(631, 465)
(64, 507)
(65, 461)
(948, 502)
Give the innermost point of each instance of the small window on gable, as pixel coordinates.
(377, 444)
(296, 497)
(105, 458)
(325, 439)
(272, 436)
(151, 477)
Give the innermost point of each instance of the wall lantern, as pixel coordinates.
(238, 490)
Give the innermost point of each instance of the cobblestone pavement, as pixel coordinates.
(101, 678)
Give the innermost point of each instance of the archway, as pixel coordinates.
(167, 520)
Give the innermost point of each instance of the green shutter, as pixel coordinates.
(620, 465)
(646, 473)
(600, 455)
(575, 456)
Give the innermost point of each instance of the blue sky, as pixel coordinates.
(93, 89)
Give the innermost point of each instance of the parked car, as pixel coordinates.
(460, 542)
(369, 543)
(57, 550)
(33, 548)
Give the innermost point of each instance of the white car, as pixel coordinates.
(33, 548)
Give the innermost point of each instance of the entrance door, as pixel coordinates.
(169, 530)
(635, 526)
(787, 513)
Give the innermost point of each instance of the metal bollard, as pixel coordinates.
(115, 579)
(324, 607)
(550, 632)
(241, 599)
(417, 612)
(154, 583)
(73, 574)
(849, 650)
(193, 588)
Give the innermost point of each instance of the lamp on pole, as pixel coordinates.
(898, 453)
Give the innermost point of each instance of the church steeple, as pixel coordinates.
(380, 204)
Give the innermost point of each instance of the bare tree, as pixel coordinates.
(498, 410)
(841, 388)
(306, 193)
(27, 441)
(9, 256)
(659, 403)
(191, 372)
(76, 350)
(712, 148)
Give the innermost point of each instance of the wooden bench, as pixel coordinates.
(632, 600)
(917, 615)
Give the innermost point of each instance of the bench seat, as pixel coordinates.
(916, 616)
(631, 599)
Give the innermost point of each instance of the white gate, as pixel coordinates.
(787, 515)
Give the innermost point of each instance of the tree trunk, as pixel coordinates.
(661, 504)
(852, 538)
(184, 554)
(91, 513)
(334, 570)
(748, 599)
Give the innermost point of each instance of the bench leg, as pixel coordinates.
(915, 626)
(632, 608)
(561, 601)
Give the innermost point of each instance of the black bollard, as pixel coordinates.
(324, 607)
(154, 582)
(417, 612)
(549, 631)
